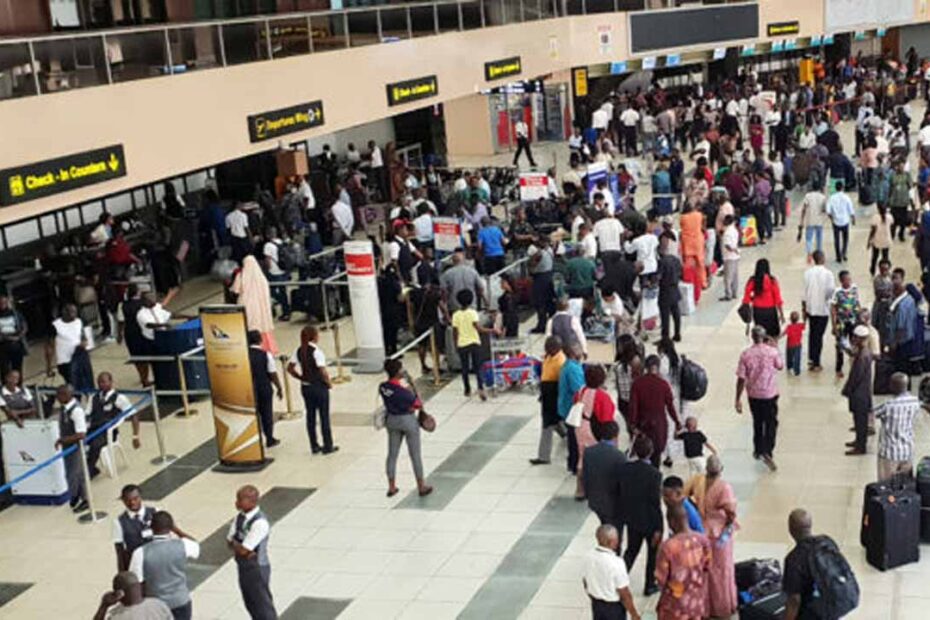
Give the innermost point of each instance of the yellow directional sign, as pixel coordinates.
(412, 90)
(54, 176)
(284, 121)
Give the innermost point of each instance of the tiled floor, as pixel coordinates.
(500, 538)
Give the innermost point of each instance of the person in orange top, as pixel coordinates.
(692, 242)
(764, 295)
(549, 399)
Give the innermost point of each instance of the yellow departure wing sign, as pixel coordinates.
(412, 90)
(506, 67)
(268, 125)
(62, 174)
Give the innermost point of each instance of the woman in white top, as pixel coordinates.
(880, 235)
(67, 337)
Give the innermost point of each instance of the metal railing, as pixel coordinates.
(60, 62)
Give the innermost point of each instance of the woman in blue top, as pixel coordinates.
(571, 379)
(400, 403)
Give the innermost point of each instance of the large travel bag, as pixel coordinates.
(771, 607)
(895, 485)
(923, 489)
(893, 524)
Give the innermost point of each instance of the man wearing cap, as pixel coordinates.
(858, 389)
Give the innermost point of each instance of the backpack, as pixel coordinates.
(693, 380)
(290, 257)
(836, 589)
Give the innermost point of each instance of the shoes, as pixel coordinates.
(93, 472)
(392, 492)
(271, 443)
(285, 317)
(537, 330)
(725, 298)
(315, 449)
(424, 491)
(850, 444)
(769, 462)
(467, 393)
(667, 462)
(580, 498)
(538, 462)
(650, 590)
(108, 340)
(677, 338)
(816, 369)
(482, 395)
(870, 432)
(330, 450)
(854, 452)
(81, 507)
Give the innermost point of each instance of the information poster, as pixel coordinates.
(533, 186)
(225, 340)
(447, 234)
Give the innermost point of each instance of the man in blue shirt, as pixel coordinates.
(904, 322)
(841, 213)
(571, 379)
(491, 242)
(673, 493)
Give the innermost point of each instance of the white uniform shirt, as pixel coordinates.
(306, 194)
(521, 130)
(608, 231)
(630, 117)
(77, 416)
(342, 214)
(270, 251)
(191, 550)
(646, 247)
(146, 316)
(589, 245)
(731, 240)
(599, 119)
(67, 338)
(604, 574)
(258, 531)
(117, 529)
(376, 160)
(423, 225)
(238, 223)
(318, 356)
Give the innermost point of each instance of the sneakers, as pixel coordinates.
(769, 462)
(538, 462)
(330, 450)
(82, 506)
(271, 443)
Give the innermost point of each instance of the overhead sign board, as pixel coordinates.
(719, 53)
(780, 29)
(412, 90)
(617, 68)
(580, 75)
(62, 174)
(276, 123)
(506, 67)
(673, 60)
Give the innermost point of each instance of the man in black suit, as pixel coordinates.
(640, 498)
(603, 463)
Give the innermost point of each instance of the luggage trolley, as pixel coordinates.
(510, 365)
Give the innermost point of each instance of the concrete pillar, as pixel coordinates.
(468, 127)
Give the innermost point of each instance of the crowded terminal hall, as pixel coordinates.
(625, 315)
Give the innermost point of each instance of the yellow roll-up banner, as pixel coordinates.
(226, 348)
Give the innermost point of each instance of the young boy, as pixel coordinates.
(694, 441)
(794, 334)
(468, 332)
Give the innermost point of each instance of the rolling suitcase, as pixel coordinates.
(893, 522)
(766, 608)
(923, 489)
(895, 485)
(881, 384)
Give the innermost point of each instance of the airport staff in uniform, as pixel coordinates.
(161, 566)
(522, 131)
(133, 527)
(248, 539)
(264, 376)
(72, 427)
(105, 405)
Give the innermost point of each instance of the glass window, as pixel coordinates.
(423, 20)
(196, 48)
(119, 204)
(245, 43)
(329, 32)
(21, 232)
(363, 28)
(16, 78)
(137, 55)
(289, 37)
(448, 17)
(471, 15)
(394, 25)
(65, 64)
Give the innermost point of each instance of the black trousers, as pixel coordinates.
(815, 338)
(241, 247)
(841, 241)
(668, 310)
(255, 585)
(634, 543)
(875, 254)
(543, 298)
(264, 406)
(861, 423)
(523, 146)
(899, 225)
(11, 356)
(602, 610)
(764, 425)
(629, 140)
(316, 400)
(572, 450)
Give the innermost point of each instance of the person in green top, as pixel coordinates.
(899, 199)
(579, 273)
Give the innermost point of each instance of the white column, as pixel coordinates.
(366, 311)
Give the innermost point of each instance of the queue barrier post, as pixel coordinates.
(163, 457)
(434, 351)
(340, 377)
(92, 515)
(185, 401)
(291, 413)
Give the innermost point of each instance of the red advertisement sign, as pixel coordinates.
(360, 264)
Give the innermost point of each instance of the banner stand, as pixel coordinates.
(366, 311)
(239, 439)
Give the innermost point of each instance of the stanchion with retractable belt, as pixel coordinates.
(185, 400)
(162, 457)
(92, 515)
(340, 377)
(291, 413)
(434, 352)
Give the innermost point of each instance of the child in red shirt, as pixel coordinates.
(794, 334)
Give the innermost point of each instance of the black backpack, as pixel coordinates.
(836, 589)
(290, 257)
(692, 381)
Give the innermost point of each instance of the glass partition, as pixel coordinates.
(65, 64)
(513, 11)
(394, 25)
(138, 55)
(599, 6)
(471, 15)
(573, 7)
(423, 20)
(329, 32)
(363, 28)
(245, 42)
(448, 16)
(493, 12)
(193, 49)
(289, 37)
(16, 71)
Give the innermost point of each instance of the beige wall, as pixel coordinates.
(468, 126)
(175, 124)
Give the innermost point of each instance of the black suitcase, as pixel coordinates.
(923, 489)
(753, 572)
(767, 608)
(894, 530)
(895, 485)
(884, 368)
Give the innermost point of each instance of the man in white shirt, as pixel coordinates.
(819, 285)
(151, 316)
(606, 581)
(378, 170)
(237, 222)
(599, 120)
(423, 226)
(730, 243)
(807, 139)
(813, 218)
(646, 248)
(67, 336)
(522, 131)
(609, 234)
(841, 212)
(628, 121)
(306, 195)
(588, 242)
(248, 540)
(161, 565)
(271, 252)
(72, 428)
(608, 196)
(343, 222)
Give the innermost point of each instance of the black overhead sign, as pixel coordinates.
(505, 67)
(284, 121)
(62, 174)
(679, 28)
(780, 29)
(412, 90)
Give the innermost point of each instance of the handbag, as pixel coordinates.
(745, 313)
(576, 413)
(378, 418)
(426, 421)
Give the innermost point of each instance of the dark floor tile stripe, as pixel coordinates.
(510, 589)
(276, 503)
(311, 608)
(9, 591)
(168, 480)
(460, 467)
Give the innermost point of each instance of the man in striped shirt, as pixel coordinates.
(896, 438)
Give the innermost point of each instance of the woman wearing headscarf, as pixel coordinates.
(764, 295)
(715, 500)
(252, 292)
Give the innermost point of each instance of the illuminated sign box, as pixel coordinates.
(412, 90)
(780, 29)
(276, 123)
(506, 67)
(62, 174)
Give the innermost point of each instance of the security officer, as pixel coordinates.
(72, 428)
(133, 527)
(105, 405)
(264, 376)
(248, 539)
